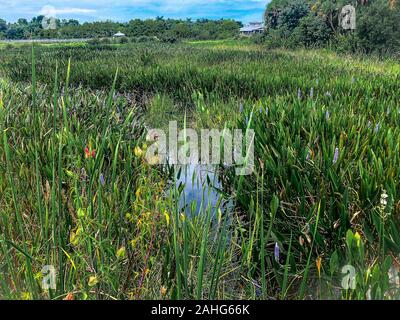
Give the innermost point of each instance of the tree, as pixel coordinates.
(182, 30)
(285, 14)
(15, 33)
(291, 14)
(72, 22)
(312, 30)
(22, 22)
(378, 27)
(3, 25)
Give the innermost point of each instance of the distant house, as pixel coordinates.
(119, 34)
(252, 28)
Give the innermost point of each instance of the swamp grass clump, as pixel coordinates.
(64, 188)
(78, 195)
(331, 174)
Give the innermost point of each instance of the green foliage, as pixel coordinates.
(361, 279)
(378, 28)
(166, 29)
(123, 40)
(3, 28)
(111, 223)
(316, 22)
(285, 14)
(291, 14)
(312, 30)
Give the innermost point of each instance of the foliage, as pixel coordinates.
(166, 29)
(378, 28)
(77, 193)
(316, 22)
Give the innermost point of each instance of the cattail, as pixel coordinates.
(47, 191)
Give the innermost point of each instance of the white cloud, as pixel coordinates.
(74, 11)
(53, 11)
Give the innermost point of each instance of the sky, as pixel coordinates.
(125, 10)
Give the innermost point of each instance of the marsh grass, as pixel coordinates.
(75, 194)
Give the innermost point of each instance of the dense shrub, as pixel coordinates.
(168, 38)
(123, 40)
(314, 23)
(346, 42)
(94, 42)
(259, 38)
(143, 39)
(159, 27)
(378, 28)
(105, 41)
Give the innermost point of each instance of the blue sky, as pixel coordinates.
(125, 10)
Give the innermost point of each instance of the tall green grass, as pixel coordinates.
(75, 194)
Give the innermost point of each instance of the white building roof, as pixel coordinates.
(252, 28)
(119, 34)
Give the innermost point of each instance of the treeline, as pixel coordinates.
(164, 29)
(316, 23)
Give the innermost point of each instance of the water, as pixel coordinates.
(200, 190)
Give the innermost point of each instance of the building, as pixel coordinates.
(119, 34)
(252, 28)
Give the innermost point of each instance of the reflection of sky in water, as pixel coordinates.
(199, 192)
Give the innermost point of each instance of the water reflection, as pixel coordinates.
(200, 189)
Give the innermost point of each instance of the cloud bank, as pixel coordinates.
(125, 10)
